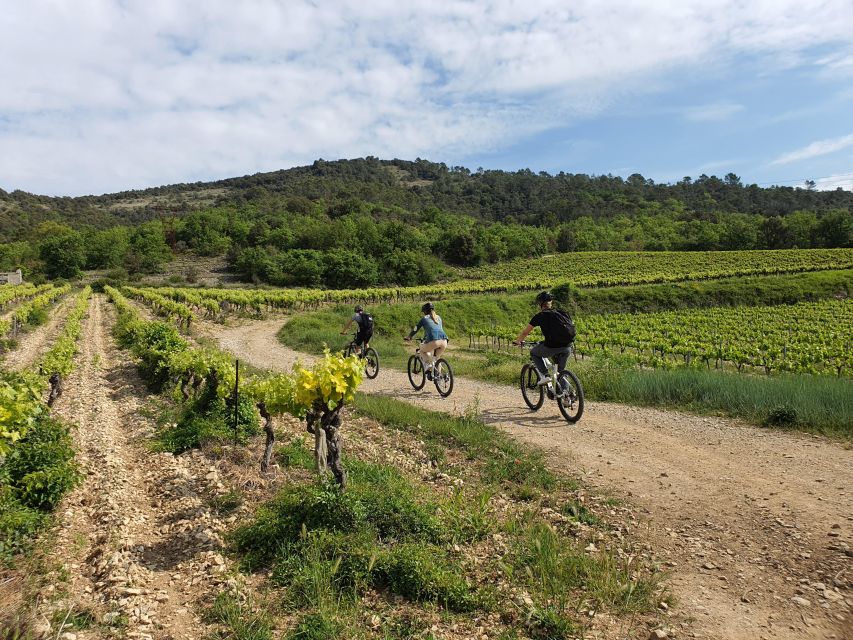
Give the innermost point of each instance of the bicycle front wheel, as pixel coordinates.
(349, 350)
(415, 369)
(371, 363)
(533, 394)
(442, 375)
(570, 396)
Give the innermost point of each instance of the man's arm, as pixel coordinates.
(521, 336)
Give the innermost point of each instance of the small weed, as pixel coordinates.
(316, 626)
(295, 454)
(243, 622)
(467, 518)
(65, 620)
(578, 512)
(226, 503)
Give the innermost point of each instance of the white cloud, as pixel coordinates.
(100, 95)
(815, 149)
(713, 112)
(830, 183)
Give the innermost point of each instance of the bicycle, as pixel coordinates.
(568, 391)
(369, 355)
(441, 374)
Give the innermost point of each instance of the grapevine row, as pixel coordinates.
(808, 337)
(24, 313)
(13, 293)
(21, 393)
(316, 393)
(583, 269)
(163, 306)
(608, 268)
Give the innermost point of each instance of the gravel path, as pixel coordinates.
(137, 541)
(34, 343)
(757, 523)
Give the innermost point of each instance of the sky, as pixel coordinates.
(99, 96)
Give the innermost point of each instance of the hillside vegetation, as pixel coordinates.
(367, 222)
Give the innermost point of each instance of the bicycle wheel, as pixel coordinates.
(371, 363)
(349, 350)
(570, 396)
(442, 375)
(533, 394)
(415, 369)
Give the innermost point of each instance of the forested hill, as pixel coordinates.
(368, 221)
(521, 196)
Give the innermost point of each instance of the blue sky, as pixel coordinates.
(104, 95)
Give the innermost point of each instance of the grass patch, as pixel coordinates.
(295, 454)
(555, 570)
(505, 462)
(324, 545)
(241, 620)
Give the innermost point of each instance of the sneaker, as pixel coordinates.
(543, 381)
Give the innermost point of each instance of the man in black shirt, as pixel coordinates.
(558, 330)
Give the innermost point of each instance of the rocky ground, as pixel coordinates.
(755, 525)
(138, 547)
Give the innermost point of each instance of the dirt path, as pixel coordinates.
(137, 541)
(35, 342)
(757, 524)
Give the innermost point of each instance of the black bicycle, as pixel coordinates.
(441, 373)
(369, 355)
(567, 389)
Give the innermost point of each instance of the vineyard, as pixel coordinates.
(598, 269)
(612, 268)
(811, 338)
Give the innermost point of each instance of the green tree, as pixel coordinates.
(63, 255)
(148, 248)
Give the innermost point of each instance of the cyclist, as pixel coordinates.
(559, 332)
(365, 328)
(435, 340)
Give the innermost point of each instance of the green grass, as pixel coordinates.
(504, 461)
(241, 620)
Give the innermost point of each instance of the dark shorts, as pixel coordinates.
(362, 337)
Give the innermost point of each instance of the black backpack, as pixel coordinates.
(565, 331)
(365, 321)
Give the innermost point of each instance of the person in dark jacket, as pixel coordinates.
(556, 344)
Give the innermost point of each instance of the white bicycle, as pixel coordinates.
(562, 386)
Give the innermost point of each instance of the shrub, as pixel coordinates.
(422, 572)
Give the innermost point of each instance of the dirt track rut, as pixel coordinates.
(756, 523)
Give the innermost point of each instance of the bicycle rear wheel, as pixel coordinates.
(371, 363)
(570, 396)
(415, 369)
(533, 394)
(442, 375)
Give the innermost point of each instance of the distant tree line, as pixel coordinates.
(365, 222)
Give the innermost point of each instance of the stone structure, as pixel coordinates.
(11, 277)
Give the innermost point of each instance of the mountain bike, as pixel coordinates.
(369, 355)
(441, 373)
(567, 391)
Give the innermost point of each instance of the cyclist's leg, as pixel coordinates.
(431, 349)
(440, 346)
(538, 355)
(562, 358)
